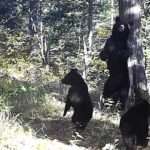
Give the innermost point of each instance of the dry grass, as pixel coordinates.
(102, 132)
(48, 130)
(13, 136)
(53, 134)
(57, 133)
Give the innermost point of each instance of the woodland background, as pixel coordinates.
(40, 40)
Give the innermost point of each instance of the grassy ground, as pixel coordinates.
(58, 134)
(37, 103)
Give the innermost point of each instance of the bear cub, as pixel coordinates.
(134, 125)
(78, 98)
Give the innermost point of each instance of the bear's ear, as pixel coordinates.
(117, 20)
(74, 70)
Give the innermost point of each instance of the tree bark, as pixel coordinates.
(130, 13)
(34, 7)
(86, 62)
(90, 23)
(87, 40)
(112, 13)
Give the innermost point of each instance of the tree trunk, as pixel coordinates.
(90, 23)
(130, 13)
(42, 43)
(112, 13)
(34, 6)
(87, 42)
(86, 62)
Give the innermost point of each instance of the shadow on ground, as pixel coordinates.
(95, 136)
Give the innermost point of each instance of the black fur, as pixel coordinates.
(78, 97)
(116, 53)
(134, 125)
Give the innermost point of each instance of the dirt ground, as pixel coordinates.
(102, 132)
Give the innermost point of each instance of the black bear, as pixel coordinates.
(78, 98)
(134, 125)
(116, 53)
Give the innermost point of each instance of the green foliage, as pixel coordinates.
(12, 44)
(103, 31)
(65, 22)
(21, 85)
(16, 94)
(99, 65)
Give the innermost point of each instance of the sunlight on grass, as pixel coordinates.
(14, 137)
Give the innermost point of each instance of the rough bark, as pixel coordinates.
(112, 13)
(34, 6)
(130, 12)
(90, 23)
(87, 40)
(86, 62)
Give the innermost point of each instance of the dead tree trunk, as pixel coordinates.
(130, 13)
(112, 13)
(88, 39)
(90, 24)
(33, 26)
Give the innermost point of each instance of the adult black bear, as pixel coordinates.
(116, 53)
(78, 98)
(134, 125)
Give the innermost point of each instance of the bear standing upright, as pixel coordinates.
(116, 53)
(78, 98)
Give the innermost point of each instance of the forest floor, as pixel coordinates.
(102, 132)
(49, 130)
(57, 133)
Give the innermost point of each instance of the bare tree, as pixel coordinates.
(90, 24)
(34, 6)
(112, 13)
(88, 45)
